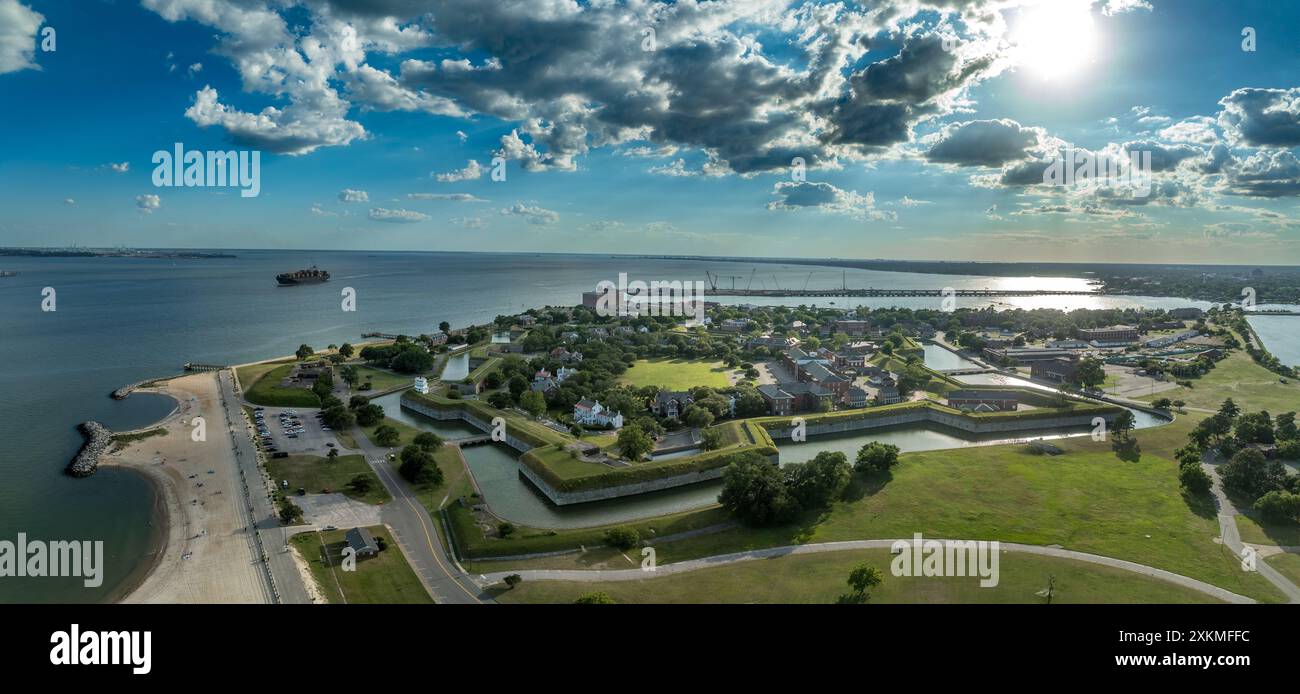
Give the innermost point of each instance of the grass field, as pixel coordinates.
(1086, 500)
(383, 579)
(1256, 532)
(315, 473)
(266, 390)
(1238, 377)
(1287, 564)
(820, 578)
(676, 374)
(380, 379)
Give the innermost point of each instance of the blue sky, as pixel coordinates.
(923, 128)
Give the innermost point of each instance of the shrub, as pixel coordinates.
(622, 538)
(1279, 507)
(1194, 480)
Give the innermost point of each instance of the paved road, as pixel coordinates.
(417, 535)
(1232, 538)
(273, 538)
(724, 559)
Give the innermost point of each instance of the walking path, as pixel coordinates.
(1232, 538)
(725, 559)
(415, 532)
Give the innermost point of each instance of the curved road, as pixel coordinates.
(724, 559)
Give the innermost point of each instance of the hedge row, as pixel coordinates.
(642, 472)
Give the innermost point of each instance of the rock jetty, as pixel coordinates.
(98, 438)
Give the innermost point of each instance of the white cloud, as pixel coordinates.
(826, 198)
(531, 214)
(195, 68)
(451, 197)
(297, 129)
(379, 214)
(469, 222)
(472, 171)
(350, 195)
(120, 168)
(18, 27)
(147, 203)
(460, 135)
(69, 201)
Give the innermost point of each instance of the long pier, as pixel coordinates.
(871, 291)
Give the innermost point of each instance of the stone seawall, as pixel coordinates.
(98, 438)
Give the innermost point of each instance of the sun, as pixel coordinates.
(1055, 40)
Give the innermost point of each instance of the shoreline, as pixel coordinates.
(202, 550)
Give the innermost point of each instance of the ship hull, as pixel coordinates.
(291, 281)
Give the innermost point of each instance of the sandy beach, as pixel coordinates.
(208, 553)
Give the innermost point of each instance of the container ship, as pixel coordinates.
(310, 276)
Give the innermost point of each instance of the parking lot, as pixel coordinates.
(293, 431)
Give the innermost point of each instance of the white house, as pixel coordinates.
(421, 385)
(563, 373)
(590, 413)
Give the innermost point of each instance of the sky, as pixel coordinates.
(913, 129)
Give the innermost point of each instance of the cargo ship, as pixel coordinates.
(309, 276)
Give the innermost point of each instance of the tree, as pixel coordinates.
(861, 580)
(332, 455)
(819, 481)
(357, 401)
(533, 403)
(710, 439)
(337, 417)
(1256, 427)
(370, 414)
(444, 326)
(1194, 480)
(512, 580)
(492, 381)
(1179, 404)
(347, 350)
(598, 597)
(754, 491)
(1229, 409)
(505, 529)
(304, 351)
(419, 467)
(1091, 373)
(289, 512)
(1249, 474)
(634, 443)
(517, 386)
(387, 436)
(1162, 403)
(412, 360)
(622, 538)
(1286, 427)
(361, 483)
(1123, 424)
(697, 417)
(1279, 507)
(427, 440)
(876, 457)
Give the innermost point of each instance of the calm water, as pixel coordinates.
(941, 359)
(1280, 335)
(122, 320)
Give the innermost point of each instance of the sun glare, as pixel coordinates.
(1055, 40)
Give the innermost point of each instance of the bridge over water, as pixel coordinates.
(871, 291)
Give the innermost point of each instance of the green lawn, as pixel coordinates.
(380, 379)
(1287, 564)
(820, 578)
(1238, 377)
(676, 374)
(383, 579)
(525, 540)
(266, 389)
(315, 473)
(1256, 532)
(1086, 499)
